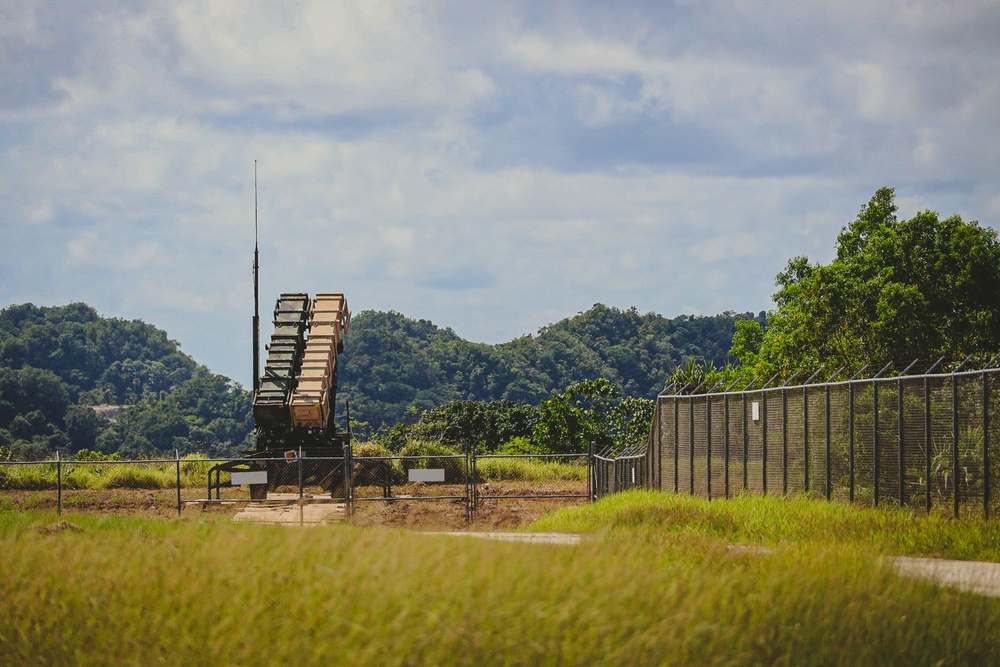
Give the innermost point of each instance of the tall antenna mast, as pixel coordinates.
(256, 291)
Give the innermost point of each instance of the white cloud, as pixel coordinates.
(493, 168)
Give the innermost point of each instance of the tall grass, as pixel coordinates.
(186, 592)
(523, 469)
(106, 475)
(772, 520)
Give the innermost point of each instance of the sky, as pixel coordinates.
(491, 166)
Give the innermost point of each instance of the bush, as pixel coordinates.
(135, 477)
(535, 470)
(28, 478)
(454, 468)
(88, 455)
(370, 449)
(522, 445)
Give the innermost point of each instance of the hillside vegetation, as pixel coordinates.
(57, 363)
(393, 363)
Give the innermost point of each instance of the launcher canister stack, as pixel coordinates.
(270, 404)
(299, 386)
(316, 382)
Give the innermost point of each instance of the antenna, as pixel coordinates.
(256, 291)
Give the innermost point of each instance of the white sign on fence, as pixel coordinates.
(755, 411)
(426, 474)
(252, 477)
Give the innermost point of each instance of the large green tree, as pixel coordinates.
(897, 290)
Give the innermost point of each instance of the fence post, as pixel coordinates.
(986, 446)
(468, 483)
(691, 444)
(850, 438)
(805, 438)
(901, 428)
(590, 471)
(725, 444)
(763, 441)
(708, 445)
(876, 427)
(677, 450)
(784, 442)
(927, 440)
(954, 438)
(177, 457)
(58, 484)
(348, 465)
(746, 444)
(829, 475)
(300, 474)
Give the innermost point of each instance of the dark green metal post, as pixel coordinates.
(177, 456)
(875, 438)
(725, 444)
(805, 436)
(850, 438)
(58, 484)
(708, 442)
(784, 442)
(954, 439)
(927, 441)
(763, 441)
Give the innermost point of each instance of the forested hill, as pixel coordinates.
(57, 363)
(393, 363)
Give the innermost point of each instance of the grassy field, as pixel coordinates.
(775, 521)
(654, 583)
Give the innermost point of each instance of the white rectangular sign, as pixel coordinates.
(755, 411)
(426, 474)
(252, 477)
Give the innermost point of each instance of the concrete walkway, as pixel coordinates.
(967, 575)
(292, 514)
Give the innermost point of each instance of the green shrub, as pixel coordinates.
(88, 455)
(77, 478)
(370, 449)
(29, 478)
(454, 468)
(136, 477)
(521, 446)
(534, 470)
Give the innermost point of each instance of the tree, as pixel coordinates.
(897, 290)
(592, 412)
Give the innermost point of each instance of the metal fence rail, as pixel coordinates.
(621, 469)
(927, 440)
(171, 483)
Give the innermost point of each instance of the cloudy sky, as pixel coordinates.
(491, 166)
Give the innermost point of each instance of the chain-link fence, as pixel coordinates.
(170, 485)
(925, 440)
(167, 485)
(620, 469)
